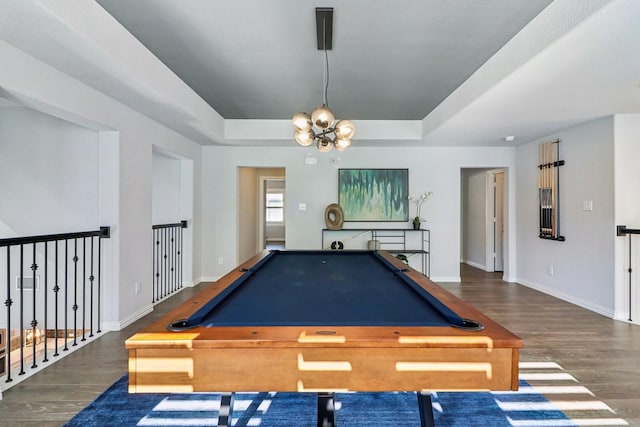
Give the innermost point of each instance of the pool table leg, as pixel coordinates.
(325, 410)
(426, 409)
(226, 405)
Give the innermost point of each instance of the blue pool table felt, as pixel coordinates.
(322, 288)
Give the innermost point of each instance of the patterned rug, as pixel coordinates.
(548, 396)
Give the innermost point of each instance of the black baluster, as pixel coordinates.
(91, 277)
(180, 258)
(158, 268)
(8, 303)
(75, 292)
(22, 340)
(84, 286)
(99, 278)
(56, 293)
(45, 292)
(34, 322)
(166, 262)
(66, 293)
(173, 259)
(168, 284)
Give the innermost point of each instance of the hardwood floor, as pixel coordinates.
(602, 354)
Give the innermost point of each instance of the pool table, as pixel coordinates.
(324, 322)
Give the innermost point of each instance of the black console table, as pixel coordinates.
(414, 244)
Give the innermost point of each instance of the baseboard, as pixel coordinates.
(207, 279)
(569, 298)
(445, 279)
(475, 264)
(624, 317)
(119, 325)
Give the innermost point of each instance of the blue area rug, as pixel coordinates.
(116, 407)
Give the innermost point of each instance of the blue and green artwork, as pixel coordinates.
(374, 194)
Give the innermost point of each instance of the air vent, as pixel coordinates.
(28, 283)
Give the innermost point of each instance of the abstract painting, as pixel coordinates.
(374, 194)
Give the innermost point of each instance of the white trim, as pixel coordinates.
(189, 284)
(624, 317)
(475, 264)
(120, 325)
(176, 292)
(445, 279)
(489, 228)
(568, 298)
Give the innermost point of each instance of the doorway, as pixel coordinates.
(273, 203)
(482, 218)
(253, 225)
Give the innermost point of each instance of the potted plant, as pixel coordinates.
(419, 201)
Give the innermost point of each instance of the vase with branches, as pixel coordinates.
(418, 202)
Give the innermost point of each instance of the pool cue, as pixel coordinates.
(557, 209)
(542, 172)
(546, 188)
(540, 186)
(545, 193)
(549, 191)
(552, 192)
(552, 169)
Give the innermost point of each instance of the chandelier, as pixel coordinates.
(319, 128)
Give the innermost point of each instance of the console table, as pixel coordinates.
(414, 244)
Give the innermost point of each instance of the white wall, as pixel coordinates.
(430, 169)
(627, 212)
(172, 201)
(474, 217)
(48, 174)
(166, 189)
(247, 208)
(126, 140)
(48, 185)
(583, 264)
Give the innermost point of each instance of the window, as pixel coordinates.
(275, 207)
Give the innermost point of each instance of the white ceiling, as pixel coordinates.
(410, 72)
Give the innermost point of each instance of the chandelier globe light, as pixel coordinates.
(319, 127)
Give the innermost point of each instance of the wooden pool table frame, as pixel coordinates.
(322, 359)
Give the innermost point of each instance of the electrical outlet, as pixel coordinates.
(220, 260)
(550, 270)
(138, 287)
